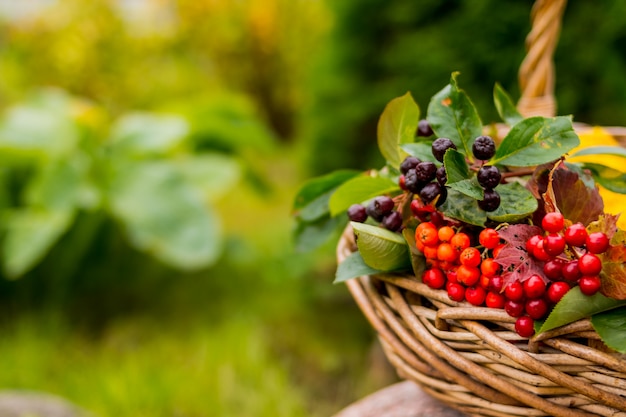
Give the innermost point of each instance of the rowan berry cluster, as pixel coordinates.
(468, 270)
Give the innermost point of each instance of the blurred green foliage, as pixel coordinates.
(382, 49)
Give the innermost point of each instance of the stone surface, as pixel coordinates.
(17, 403)
(403, 399)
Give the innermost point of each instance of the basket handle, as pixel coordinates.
(536, 73)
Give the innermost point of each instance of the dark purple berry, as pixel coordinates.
(412, 183)
(484, 148)
(489, 176)
(440, 146)
(491, 201)
(410, 162)
(424, 129)
(357, 213)
(380, 207)
(442, 176)
(430, 192)
(426, 171)
(393, 221)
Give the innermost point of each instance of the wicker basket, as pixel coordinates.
(471, 358)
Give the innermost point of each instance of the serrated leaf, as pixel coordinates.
(315, 187)
(452, 114)
(516, 203)
(459, 176)
(517, 264)
(358, 190)
(505, 107)
(418, 261)
(611, 327)
(575, 306)
(613, 274)
(421, 150)
(397, 125)
(600, 150)
(462, 207)
(609, 178)
(380, 248)
(29, 236)
(536, 140)
(353, 267)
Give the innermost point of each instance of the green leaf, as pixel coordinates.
(352, 267)
(308, 236)
(164, 215)
(537, 140)
(516, 202)
(505, 107)
(575, 306)
(358, 190)
(213, 175)
(421, 150)
(29, 236)
(397, 125)
(611, 326)
(452, 114)
(315, 189)
(380, 248)
(462, 207)
(459, 175)
(600, 150)
(609, 178)
(145, 133)
(418, 261)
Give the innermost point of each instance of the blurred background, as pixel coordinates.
(150, 151)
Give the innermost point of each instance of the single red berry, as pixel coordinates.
(536, 308)
(470, 257)
(460, 241)
(532, 243)
(484, 281)
(570, 271)
(496, 283)
(489, 238)
(514, 308)
(445, 233)
(430, 252)
(589, 264)
(534, 287)
(514, 291)
(539, 252)
(575, 235)
(553, 222)
(497, 249)
(554, 244)
(468, 275)
(475, 295)
(597, 242)
(489, 267)
(553, 269)
(426, 233)
(589, 285)
(446, 252)
(451, 274)
(494, 300)
(557, 290)
(525, 326)
(402, 182)
(434, 278)
(456, 292)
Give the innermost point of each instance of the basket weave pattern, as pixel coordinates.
(472, 359)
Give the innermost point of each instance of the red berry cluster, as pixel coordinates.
(470, 272)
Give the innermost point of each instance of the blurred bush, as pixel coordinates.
(381, 49)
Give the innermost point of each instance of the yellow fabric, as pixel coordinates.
(614, 203)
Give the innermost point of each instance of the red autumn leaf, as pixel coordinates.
(562, 189)
(516, 263)
(613, 273)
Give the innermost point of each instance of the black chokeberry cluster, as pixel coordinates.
(489, 176)
(381, 210)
